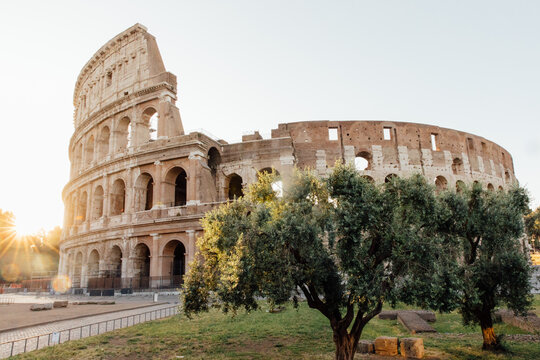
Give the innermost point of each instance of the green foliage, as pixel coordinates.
(495, 269)
(532, 227)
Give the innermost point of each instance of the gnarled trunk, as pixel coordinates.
(486, 323)
(345, 344)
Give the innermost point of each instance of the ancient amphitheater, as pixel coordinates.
(139, 185)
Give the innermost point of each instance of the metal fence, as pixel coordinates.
(20, 346)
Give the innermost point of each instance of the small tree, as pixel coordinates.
(494, 267)
(345, 244)
(532, 227)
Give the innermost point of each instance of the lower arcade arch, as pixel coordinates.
(174, 262)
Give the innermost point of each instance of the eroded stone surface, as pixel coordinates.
(41, 307)
(386, 345)
(60, 304)
(366, 346)
(412, 347)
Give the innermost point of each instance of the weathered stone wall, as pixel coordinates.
(139, 186)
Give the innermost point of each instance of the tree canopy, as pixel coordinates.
(344, 244)
(494, 266)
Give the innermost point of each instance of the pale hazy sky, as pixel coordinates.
(249, 65)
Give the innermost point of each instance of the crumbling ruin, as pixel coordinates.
(139, 185)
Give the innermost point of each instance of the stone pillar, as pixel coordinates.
(124, 275)
(106, 196)
(154, 256)
(84, 275)
(159, 202)
(195, 157)
(191, 248)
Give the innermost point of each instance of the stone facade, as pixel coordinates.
(139, 185)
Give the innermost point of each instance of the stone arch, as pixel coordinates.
(82, 204)
(115, 261)
(234, 186)
(507, 177)
(214, 159)
(93, 263)
(176, 186)
(490, 187)
(141, 264)
(78, 162)
(174, 261)
(144, 192)
(368, 178)
(123, 134)
(390, 178)
(97, 203)
(89, 150)
(118, 197)
(501, 188)
(441, 183)
(457, 166)
(362, 161)
(103, 142)
(268, 170)
(150, 118)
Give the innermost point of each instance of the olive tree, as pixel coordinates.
(494, 267)
(343, 243)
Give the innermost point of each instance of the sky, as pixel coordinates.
(248, 65)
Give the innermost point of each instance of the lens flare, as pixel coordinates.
(61, 283)
(10, 272)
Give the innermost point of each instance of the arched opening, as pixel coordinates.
(214, 159)
(77, 164)
(97, 203)
(93, 264)
(115, 262)
(490, 187)
(81, 213)
(457, 166)
(144, 192)
(507, 176)
(77, 271)
(460, 186)
(118, 197)
(176, 187)
(151, 117)
(174, 261)
(235, 189)
(362, 161)
(103, 143)
(441, 183)
(141, 266)
(368, 178)
(390, 178)
(89, 150)
(501, 188)
(123, 134)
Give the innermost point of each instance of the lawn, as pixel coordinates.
(291, 334)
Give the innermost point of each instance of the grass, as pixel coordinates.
(291, 334)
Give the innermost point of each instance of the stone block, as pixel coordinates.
(413, 322)
(428, 316)
(60, 304)
(412, 348)
(388, 315)
(386, 345)
(40, 307)
(366, 346)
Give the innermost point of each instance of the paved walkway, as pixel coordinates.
(80, 328)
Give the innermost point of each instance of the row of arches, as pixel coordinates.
(110, 265)
(125, 133)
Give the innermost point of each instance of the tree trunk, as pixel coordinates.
(490, 340)
(345, 345)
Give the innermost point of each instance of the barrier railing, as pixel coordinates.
(20, 346)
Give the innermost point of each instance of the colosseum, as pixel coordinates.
(139, 185)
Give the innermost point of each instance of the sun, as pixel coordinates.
(25, 227)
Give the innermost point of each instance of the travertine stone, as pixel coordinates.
(60, 304)
(41, 307)
(386, 345)
(412, 347)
